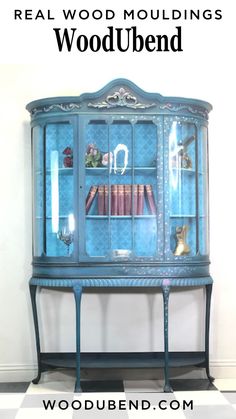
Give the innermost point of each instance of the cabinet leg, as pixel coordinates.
(207, 330)
(33, 290)
(77, 294)
(166, 293)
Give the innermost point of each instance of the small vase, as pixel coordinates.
(68, 161)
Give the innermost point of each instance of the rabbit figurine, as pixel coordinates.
(181, 247)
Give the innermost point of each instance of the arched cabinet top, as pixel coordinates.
(121, 96)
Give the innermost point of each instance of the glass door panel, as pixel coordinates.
(119, 171)
(121, 175)
(59, 196)
(38, 199)
(183, 189)
(97, 163)
(145, 186)
(203, 191)
(145, 144)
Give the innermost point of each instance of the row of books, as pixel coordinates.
(123, 198)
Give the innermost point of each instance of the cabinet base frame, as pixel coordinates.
(78, 360)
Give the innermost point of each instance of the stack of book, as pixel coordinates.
(123, 199)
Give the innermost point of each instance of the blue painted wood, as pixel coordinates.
(207, 330)
(122, 359)
(87, 102)
(152, 127)
(60, 269)
(121, 282)
(166, 285)
(151, 117)
(77, 289)
(166, 293)
(33, 289)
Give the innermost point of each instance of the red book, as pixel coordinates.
(128, 199)
(140, 199)
(114, 200)
(90, 197)
(105, 199)
(135, 199)
(121, 200)
(101, 200)
(150, 199)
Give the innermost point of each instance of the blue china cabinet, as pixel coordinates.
(120, 200)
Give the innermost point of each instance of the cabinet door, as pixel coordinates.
(186, 190)
(203, 190)
(53, 166)
(121, 198)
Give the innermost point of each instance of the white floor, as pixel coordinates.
(53, 398)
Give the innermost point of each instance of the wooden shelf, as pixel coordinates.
(123, 359)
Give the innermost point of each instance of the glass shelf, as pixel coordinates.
(61, 171)
(187, 171)
(185, 216)
(50, 217)
(99, 170)
(119, 216)
(182, 216)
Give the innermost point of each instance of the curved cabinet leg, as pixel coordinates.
(166, 293)
(77, 289)
(207, 330)
(33, 290)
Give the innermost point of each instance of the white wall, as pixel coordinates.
(117, 321)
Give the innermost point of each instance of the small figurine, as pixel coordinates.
(93, 156)
(107, 158)
(111, 159)
(181, 247)
(68, 159)
(186, 162)
(181, 159)
(66, 235)
(121, 147)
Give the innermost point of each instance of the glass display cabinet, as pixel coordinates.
(120, 200)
